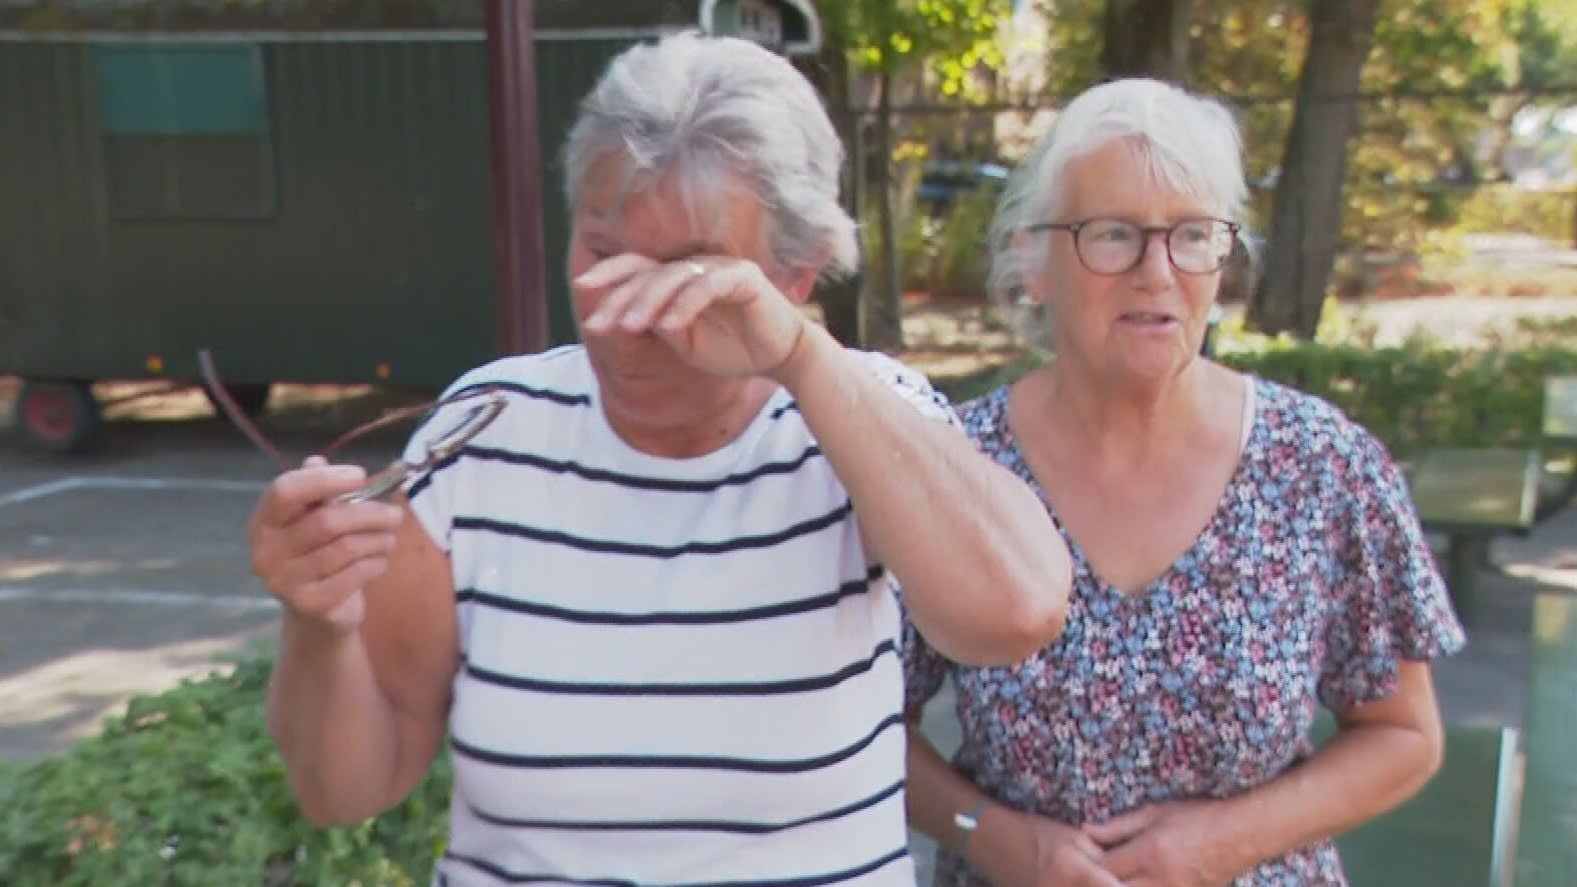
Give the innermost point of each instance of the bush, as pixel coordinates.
(187, 788)
(1420, 395)
(1412, 396)
(960, 255)
(1511, 210)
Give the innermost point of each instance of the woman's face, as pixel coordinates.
(641, 376)
(1143, 325)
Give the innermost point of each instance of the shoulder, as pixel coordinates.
(983, 416)
(561, 375)
(1314, 434)
(890, 369)
(910, 384)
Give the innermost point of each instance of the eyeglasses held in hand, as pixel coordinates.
(481, 405)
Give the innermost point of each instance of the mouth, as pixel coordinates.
(1148, 319)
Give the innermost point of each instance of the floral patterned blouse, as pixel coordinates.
(1308, 586)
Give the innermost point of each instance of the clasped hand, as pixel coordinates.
(1174, 844)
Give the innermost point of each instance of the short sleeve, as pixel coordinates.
(433, 495)
(1389, 602)
(924, 669)
(912, 386)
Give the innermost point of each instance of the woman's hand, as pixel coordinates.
(1178, 844)
(316, 555)
(721, 315)
(1025, 850)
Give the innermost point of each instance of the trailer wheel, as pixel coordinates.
(251, 398)
(56, 417)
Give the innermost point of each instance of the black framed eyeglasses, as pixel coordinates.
(476, 407)
(1116, 246)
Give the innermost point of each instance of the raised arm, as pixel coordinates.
(985, 573)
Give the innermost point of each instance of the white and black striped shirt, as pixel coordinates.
(674, 671)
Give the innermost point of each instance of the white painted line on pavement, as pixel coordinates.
(28, 494)
(141, 596)
(67, 484)
(170, 483)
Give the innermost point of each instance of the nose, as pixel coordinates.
(1155, 265)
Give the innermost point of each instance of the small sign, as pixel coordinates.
(760, 21)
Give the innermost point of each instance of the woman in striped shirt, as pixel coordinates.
(649, 604)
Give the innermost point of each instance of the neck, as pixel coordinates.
(1127, 423)
(689, 426)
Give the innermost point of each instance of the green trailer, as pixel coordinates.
(327, 192)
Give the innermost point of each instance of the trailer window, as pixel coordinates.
(185, 130)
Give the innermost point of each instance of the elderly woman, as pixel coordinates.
(649, 603)
(1243, 554)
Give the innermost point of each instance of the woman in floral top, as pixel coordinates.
(1243, 554)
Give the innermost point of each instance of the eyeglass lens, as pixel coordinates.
(1112, 246)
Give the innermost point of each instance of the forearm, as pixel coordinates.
(984, 570)
(936, 793)
(334, 727)
(1362, 772)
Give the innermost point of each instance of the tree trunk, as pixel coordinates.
(1307, 214)
(1146, 38)
(884, 293)
(839, 300)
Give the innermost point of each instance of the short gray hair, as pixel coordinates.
(1189, 144)
(699, 108)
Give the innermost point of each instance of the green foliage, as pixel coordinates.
(1546, 214)
(951, 37)
(1411, 396)
(1394, 197)
(1418, 395)
(960, 257)
(187, 789)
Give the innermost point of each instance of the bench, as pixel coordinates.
(1471, 495)
(1456, 832)
(1547, 839)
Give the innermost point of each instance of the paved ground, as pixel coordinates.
(123, 571)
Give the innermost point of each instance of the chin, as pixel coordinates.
(1153, 369)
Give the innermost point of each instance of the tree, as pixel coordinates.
(829, 71)
(1146, 38)
(888, 38)
(1306, 217)
(1429, 93)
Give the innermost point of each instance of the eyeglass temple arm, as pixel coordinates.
(404, 413)
(237, 416)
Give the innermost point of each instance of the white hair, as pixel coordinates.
(1189, 145)
(702, 111)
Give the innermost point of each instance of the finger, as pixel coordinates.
(1128, 861)
(1090, 874)
(613, 270)
(334, 557)
(658, 292)
(613, 304)
(1121, 828)
(1086, 845)
(329, 523)
(296, 492)
(322, 597)
(691, 302)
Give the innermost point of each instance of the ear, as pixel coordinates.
(1029, 255)
(797, 284)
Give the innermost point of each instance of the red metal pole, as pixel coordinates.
(517, 178)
